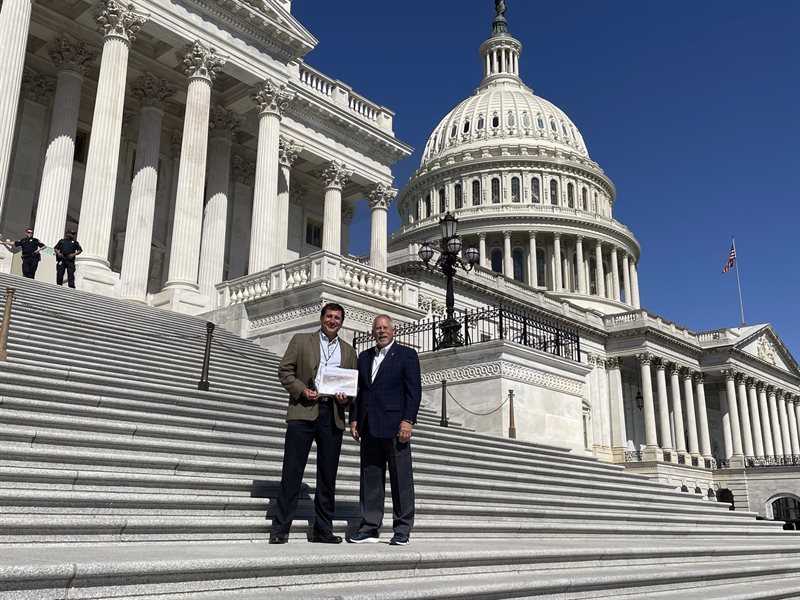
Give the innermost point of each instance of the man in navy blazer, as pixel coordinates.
(382, 419)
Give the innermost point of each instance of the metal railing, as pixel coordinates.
(757, 462)
(489, 324)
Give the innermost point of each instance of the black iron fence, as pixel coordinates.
(489, 324)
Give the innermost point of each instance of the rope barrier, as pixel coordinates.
(465, 409)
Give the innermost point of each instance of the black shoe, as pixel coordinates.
(278, 537)
(326, 537)
(400, 540)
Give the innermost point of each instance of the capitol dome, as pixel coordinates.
(514, 170)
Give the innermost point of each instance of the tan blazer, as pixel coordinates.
(298, 369)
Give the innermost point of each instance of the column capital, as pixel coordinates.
(771, 390)
(151, 91)
(482, 235)
(272, 98)
(201, 62)
(380, 197)
(674, 369)
(761, 386)
(243, 170)
(751, 382)
(120, 21)
(506, 235)
(699, 377)
(729, 374)
(223, 123)
(531, 235)
(71, 56)
(335, 175)
(612, 363)
(661, 364)
(579, 239)
(741, 378)
(288, 151)
(688, 373)
(598, 244)
(556, 235)
(645, 358)
(37, 87)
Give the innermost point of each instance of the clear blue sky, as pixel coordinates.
(692, 107)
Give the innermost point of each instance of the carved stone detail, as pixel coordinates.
(201, 61)
(224, 123)
(71, 56)
(506, 369)
(175, 144)
(151, 91)
(288, 152)
(380, 196)
(37, 87)
(645, 358)
(335, 174)
(120, 21)
(272, 98)
(766, 350)
(612, 362)
(243, 170)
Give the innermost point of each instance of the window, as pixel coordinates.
(511, 120)
(314, 234)
(497, 260)
(553, 126)
(476, 193)
(526, 120)
(570, 195)
(481, 122)
(564, 130)
(553, 192)
(442, 202)
(495, 191)
(428, 208)
(466, 126)
(584, 199)
(539, 121)
(459, 195)
(540, 267)
(535, 191)
(453, 130)
(518, 259)
(592, 276)
(515, 189)
(495, 121)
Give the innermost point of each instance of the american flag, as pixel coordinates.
(731, 259)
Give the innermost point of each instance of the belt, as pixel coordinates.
(325, 399)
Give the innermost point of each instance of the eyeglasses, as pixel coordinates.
(29, 231)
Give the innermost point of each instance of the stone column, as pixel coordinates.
(533, 266)
(335, 176)
(775, 422)
(72, 61)
(559, 282)
(793, 416)
(202, 67)
(652, 451)
(626, 279)
(691, 418)
(702, 415)
(153, 95)
(380, 197)
(733, 411)
(580, 267)
(677, 407)
(755, 418)
(288, 152)
(599, 274)
(224, 126)
(272, 100)
(727, 435)
(663, 406)
(744, 415)
(508, 263)
(635, 285)
(615, 275)
(239, 238)
(120, 24)
(766, 429)
(15, 20)
(482, 248)
(618, 434)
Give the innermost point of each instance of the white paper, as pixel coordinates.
(333, 380)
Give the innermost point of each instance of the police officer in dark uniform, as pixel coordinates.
(66, 251)
(30, 253)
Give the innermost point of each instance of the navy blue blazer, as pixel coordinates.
(393, 396)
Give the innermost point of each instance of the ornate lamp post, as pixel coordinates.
(449, 260)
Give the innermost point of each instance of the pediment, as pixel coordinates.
(765, 345)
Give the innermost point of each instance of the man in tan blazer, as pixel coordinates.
(312, 417)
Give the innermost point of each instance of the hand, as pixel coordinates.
(404, 433)
(342, 398)
(71, 256)
(309, 394)
(354, 430)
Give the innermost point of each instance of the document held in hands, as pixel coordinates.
(333, 380)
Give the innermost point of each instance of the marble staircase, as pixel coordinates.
(118, 478)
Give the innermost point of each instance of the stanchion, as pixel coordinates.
(6, 324)
(512, 426)
(203, 383)
(443, 421)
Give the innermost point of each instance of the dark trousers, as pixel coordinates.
(376, 455)
(299, 436)
(69, 267)
(29, 266)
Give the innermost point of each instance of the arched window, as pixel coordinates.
(453, 130)
(526, 120)
(476, 193)
(511, 120)
(554, 192)
(518, 260)
(495, 121)
(495, 190)
(539, 121)
(786, 509)
(570, 195)
(428, 208)
(553, 126)
(515, 189)
(442, 202)
(481, 122)
(584, 199)
(497, 260)
(536, 194)
(540, 267)
(564, 130)
(459, 195)
(595, 207)
(466, 126)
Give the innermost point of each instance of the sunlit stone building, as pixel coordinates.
(209, 169)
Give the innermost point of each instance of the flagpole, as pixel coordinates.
(738, 281)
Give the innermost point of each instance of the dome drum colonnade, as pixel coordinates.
(204, 148)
